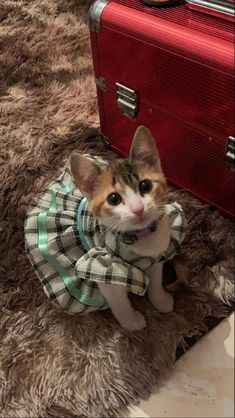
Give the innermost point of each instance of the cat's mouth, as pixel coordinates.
(140, 222)
(131, 223)
(143, 221)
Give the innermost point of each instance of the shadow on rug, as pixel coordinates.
(53, 364)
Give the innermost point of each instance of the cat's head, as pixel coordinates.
(128, 194)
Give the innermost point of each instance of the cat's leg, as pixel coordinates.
(119, 303)
(160, 299)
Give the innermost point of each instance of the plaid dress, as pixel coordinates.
(71, 252)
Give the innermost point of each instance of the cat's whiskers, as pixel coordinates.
(124, 226)
(156, 210)
(115, 225)
(124, 221)
(111, 226)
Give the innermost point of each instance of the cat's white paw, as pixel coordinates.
(163, 303)
(136, 322)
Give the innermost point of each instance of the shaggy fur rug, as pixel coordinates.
(52, 364)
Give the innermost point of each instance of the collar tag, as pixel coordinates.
(133, 236)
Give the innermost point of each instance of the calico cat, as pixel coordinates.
(108, 231)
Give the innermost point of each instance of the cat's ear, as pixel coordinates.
(86, 174)
(144, 150)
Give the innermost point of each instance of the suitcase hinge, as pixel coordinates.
(230, 152)
(127, 101)
(101, 83)
(95, 13)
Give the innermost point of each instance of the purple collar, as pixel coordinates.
(129, 237)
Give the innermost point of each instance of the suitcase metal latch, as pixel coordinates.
(230, 152)
(127, 101)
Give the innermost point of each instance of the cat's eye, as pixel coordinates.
(114, 199)
(145, 186)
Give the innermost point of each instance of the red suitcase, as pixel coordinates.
(172, 70)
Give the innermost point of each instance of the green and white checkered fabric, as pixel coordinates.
(71, 253)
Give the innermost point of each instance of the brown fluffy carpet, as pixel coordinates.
(52, 364)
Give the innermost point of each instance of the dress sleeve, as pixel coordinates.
(178, 227)
(98, 265)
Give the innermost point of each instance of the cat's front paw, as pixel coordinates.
(136, 322)
(163, 303)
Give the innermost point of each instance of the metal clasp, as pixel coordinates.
(127, 101)
(230, 152)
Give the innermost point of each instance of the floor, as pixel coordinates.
(202, 384)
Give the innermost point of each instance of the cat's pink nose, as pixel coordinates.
(138, 211)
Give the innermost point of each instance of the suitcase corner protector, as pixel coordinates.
(95, 13)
